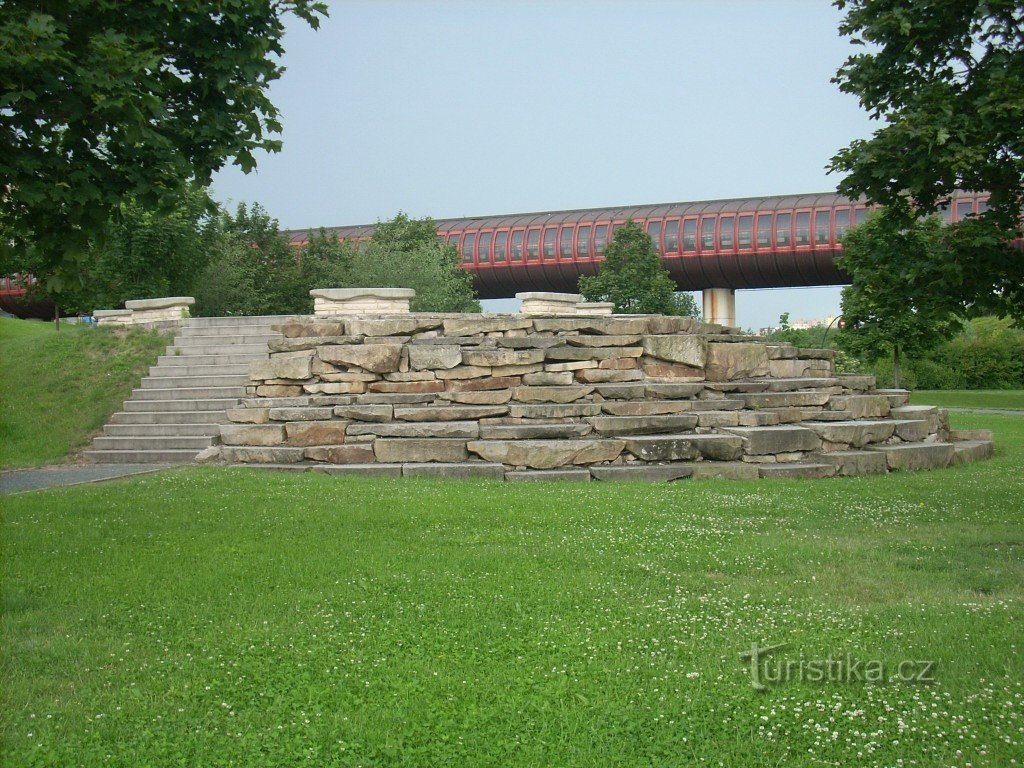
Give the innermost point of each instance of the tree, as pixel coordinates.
(105, 101)
(884, 315)
(405, 253)
(947, 79)
(633, 277)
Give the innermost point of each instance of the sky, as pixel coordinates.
(450, 109)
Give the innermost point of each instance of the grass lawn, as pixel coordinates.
(56, 388)
(1012, 399)
(217, 617)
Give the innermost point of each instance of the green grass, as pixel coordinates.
(218, 617)
(1012, 399)
(57, 387)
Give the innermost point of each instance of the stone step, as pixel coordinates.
(684, 447)
(188, 342)
(171, 430)
(232, 358)
(151, 442)
(643, 425)
(268, 320)
(916, 455)
(967, 451)
(188, 393)
(242, 329)
(792, 385)
(853, 463)
(174, 371)
(208, 404)
(543, 475)
(170, 417)
(175, 382)
(165, 456)
(786, 438)
(216, 349)
(796, 470)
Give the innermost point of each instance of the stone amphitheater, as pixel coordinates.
(564, 390)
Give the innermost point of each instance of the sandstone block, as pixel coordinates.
(249, 415)
(530, 342)
(469, 469)
(479, 397)
(643, 425)
(548, 379)
(856, 434)
(502, 356)
(618, 363)
(301, 414)
(642, 472)
(718, 419)
(685, 447)
(794, 368)
(373, 413)
(739, 360)
(545, 454)
(341, 454)
(967, 451)
(601, 376)
(659, 325)
(796, 469)
(463, 429)
(252, 434)
(361, 469)
(300, 329)
(406, 386)
(916, 455)
(309, 342)
(645, 408)
(434, 356)
(573, 354)
(591, 340)
(629, 391)
(416, 450)
(854, 463)
(861, 406)
(536, 431)
(395, 398)
(449, 413)
(609, 326)
(674, 391)
(461, 372)
(548, 475)
(261, 455)
(551, 394)
(489, 382)
(516, 370)
(278, 390)
(315, 432)
(725, 470)
(774, 440)
(553, 411)
(335, 388)
(688, 350)
(473, 325)
(392, 326)
(659, 369)
(573, 365)
(379, 358)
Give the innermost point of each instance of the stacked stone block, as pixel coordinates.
(615, 397)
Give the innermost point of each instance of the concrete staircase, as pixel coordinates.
(177, 409)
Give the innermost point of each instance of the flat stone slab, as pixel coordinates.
(544, 475)
(778, 439)
(485, 470)
(684, 447)
(365, 470)
(571, 298)
(162, 303)
(725, 470)
(856, 434)
(642, 472)
(967, 451)
(796, 470)
(546, 454)
(854, 463)
(535, 431)
(916, 455)
(345, 294)
(643, 425)
(101, 314)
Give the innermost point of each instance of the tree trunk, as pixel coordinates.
(896, 377)
(56, 315)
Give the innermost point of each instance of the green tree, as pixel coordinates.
(106, 101)
(633, 277)
(947, 81)
(883, 314)
(405, 253)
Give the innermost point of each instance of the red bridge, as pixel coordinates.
(764, 242)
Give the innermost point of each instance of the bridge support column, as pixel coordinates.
(720, 306)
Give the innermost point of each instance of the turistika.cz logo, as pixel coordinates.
(767, 669)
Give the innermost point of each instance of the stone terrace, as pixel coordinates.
(525, 397)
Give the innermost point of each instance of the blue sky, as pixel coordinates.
(458, 108)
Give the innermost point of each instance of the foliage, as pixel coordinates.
(104, 102)
(633, 278)
(57, 388)
(145, 254)
(253, 271)
(883, 314)
(947, 79)
(405, 253)
(430, 622)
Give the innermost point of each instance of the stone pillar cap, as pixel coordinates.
(342, 294)
(569, 298)
(595, 304)
(164, 303)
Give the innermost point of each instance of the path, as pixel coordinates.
(20, 480)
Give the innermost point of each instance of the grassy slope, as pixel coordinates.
(222, 616)
(57, 387)
(979, 398)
